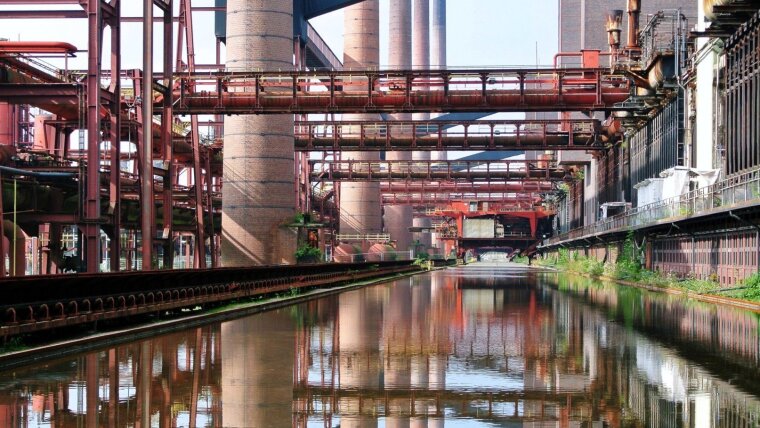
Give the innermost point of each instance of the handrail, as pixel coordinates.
(314, 37)
(726, 193)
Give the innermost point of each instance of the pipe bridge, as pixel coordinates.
(362, 170)
(389, 91)
(406, 135)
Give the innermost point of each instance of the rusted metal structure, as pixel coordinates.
(644, 96)
(390, 91)
(39, 303)
(436, 170)
(447, 135)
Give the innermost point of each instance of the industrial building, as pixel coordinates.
(243, 218)
(644, 123)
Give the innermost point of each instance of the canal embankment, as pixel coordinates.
(627, 271)
(20, 350)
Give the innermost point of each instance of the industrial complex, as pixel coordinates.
(244, 167)
(284, 152)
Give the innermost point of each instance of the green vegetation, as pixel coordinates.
(562, 190)
(520, 259)
(628, 268)
(12, 345)
(748, 290)
(307, 253)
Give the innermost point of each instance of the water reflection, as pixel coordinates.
(471, 346)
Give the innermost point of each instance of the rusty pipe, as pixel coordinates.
(614, 27)
(634, 13)
(25, 47)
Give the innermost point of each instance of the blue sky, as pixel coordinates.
(480, 32)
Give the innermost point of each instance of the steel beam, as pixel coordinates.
(525, 201)
(466, 186)
(167, 135)
(91, 217)
(394, 91)
(115, 139)
(359, 170)
(407, 135)
(146, 174)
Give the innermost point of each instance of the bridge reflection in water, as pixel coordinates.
(483, 344)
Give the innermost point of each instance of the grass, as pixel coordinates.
(627, 269)
(12, 345)
(749, 289)
(520, 259)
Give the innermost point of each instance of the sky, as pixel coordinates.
(480, 32)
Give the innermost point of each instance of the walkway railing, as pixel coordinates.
(387, 256)
(725, 194)
(357, 237)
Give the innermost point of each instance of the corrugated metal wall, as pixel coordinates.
(742, 97)
(658, 145)
(727, 257)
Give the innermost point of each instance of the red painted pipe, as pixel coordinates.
(7, 124)
(357, 101)
(25, 47)
(465, 187)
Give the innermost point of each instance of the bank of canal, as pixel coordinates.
(481, 345)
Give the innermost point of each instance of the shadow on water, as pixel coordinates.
(481, 345)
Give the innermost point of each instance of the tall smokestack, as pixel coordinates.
(438, 60)
(360, 209)
(398, 218)
(258, 150)
(421, 60)
(634, 12)
(438, 34)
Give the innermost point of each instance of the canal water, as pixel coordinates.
(482, 345)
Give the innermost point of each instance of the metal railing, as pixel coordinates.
(319, 43)
(381, 256)
(369, 237)
(728, 193)
(665, 34)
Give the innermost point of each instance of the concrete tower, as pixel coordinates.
(421, 60)
(360, 209)
(398, 218)
(438, 34)
(438, 60)
(258, 150)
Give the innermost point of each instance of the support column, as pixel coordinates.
(421, 60)
(166, 140)
(360, 208)
(399, 218)
(114, 203)
(259, 184)
(186, 24)
(147, 203)
(8, 122)
(91, 228)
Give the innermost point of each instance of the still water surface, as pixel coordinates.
(483, 345)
